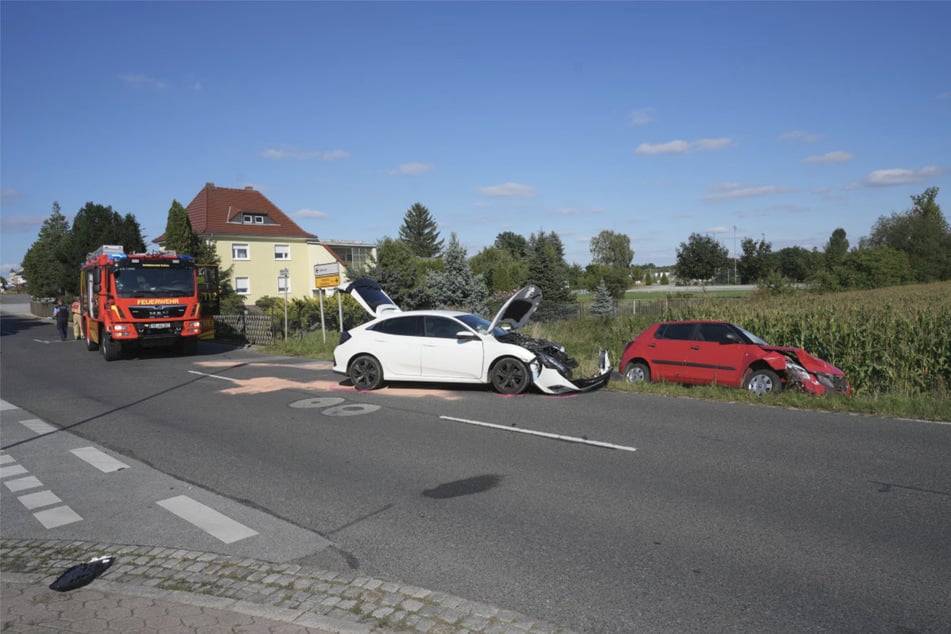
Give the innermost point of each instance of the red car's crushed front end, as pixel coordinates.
(811, 374)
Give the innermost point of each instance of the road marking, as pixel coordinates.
(4, 405)
(6, 459)
(206, 518)
(22, 484)
(98, 459)
(39, 499)
(213, 376)
(12, 470)
(38, 427)
(543, 434)
(60, 516)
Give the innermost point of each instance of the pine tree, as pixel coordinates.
(179, 235)
(547, 268)
(419, 231)
(48, 270)
(456, 286)
(603, 303)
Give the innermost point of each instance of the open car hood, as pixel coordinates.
(515, 313)
(369, 295)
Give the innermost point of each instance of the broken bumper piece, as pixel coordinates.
(549, 376)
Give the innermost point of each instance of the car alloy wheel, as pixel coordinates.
(365, 373)
(510, 376)
(764, 382)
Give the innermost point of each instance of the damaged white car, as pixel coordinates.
(447, 346)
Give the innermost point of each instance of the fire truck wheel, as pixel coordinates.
(111, 350)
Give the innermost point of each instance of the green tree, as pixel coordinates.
(401, 274)
(756, 262)
(512, 242)
(179, 235)
(836, 248)
(47, 267)
(612, 249)
(797, 264)
(700, 258)
(603, 304)
(419, 231)
(96, 225)
(456, 286)
(615, 280)
(547, 268)
(922, 232)
(500, 270)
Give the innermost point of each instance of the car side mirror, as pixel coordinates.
(465, 334)
(730, 338)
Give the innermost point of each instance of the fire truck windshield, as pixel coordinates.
(155, 282)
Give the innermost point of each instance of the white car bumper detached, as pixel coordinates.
(549, 380)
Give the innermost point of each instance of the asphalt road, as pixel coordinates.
(691, 516)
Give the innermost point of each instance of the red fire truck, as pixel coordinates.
(139, 300)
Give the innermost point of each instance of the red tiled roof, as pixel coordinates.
(213, 207)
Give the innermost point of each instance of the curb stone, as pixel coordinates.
(327, 601)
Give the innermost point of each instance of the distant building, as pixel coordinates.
(257, 241)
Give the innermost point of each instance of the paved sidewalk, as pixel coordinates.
(149, 589)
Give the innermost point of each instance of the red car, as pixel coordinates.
(717, 352)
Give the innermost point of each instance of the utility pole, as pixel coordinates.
(735, 280)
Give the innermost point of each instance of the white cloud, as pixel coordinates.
(898, 176)
(412, 168)
(682, 147)
(143, 81)
(333, 155)
(311, 213)
(508, 190)
(800, 136)
(641, 116)
(718, 230)
(20, 224)
(729, 191)
(838, 156)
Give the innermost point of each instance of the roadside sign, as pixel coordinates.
(326, 281)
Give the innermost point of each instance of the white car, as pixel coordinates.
(446, 346)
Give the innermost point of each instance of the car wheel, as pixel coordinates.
(111, 350)
(637, 372)
(365, 373)
(509, 376)
(764, 381)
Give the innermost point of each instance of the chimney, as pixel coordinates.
(209, 185)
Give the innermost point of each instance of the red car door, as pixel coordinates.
(668, 350)
(714, 357)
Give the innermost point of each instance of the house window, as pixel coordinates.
(246, 219)
(259, 220)
(240, 252)
(282, 252)
(281, 281)
(242, 285)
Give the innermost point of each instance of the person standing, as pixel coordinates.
(77, 311)
(61, 315)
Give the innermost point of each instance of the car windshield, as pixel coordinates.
(155, 282)
(480, 325)
(753, 338)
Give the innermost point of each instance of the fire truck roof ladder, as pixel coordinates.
(106, 249)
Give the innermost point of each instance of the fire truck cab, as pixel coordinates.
(139, 300)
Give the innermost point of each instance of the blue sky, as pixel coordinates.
(781, 121)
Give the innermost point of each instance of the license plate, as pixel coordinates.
(161, 325)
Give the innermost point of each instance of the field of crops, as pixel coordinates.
(895, 340)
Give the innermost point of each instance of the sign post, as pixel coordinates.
(326, 277)
(284, 275)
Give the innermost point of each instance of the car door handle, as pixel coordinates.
(694, 347)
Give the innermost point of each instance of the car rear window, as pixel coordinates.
(408, 326)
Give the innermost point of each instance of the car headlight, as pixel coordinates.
(551, 362)
(825, 379)
(798, 371)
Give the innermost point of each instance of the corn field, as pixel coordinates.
(892, 340)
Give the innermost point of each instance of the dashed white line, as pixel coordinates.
(102, 461)
(60, 516)
(543, 434)
(22, 484)
(39, 500)
(12, 470)
(38, 426)
(213, 376)
(207, 519)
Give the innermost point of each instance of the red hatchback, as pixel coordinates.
(717, 352)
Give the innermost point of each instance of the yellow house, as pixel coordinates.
(264, 248)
